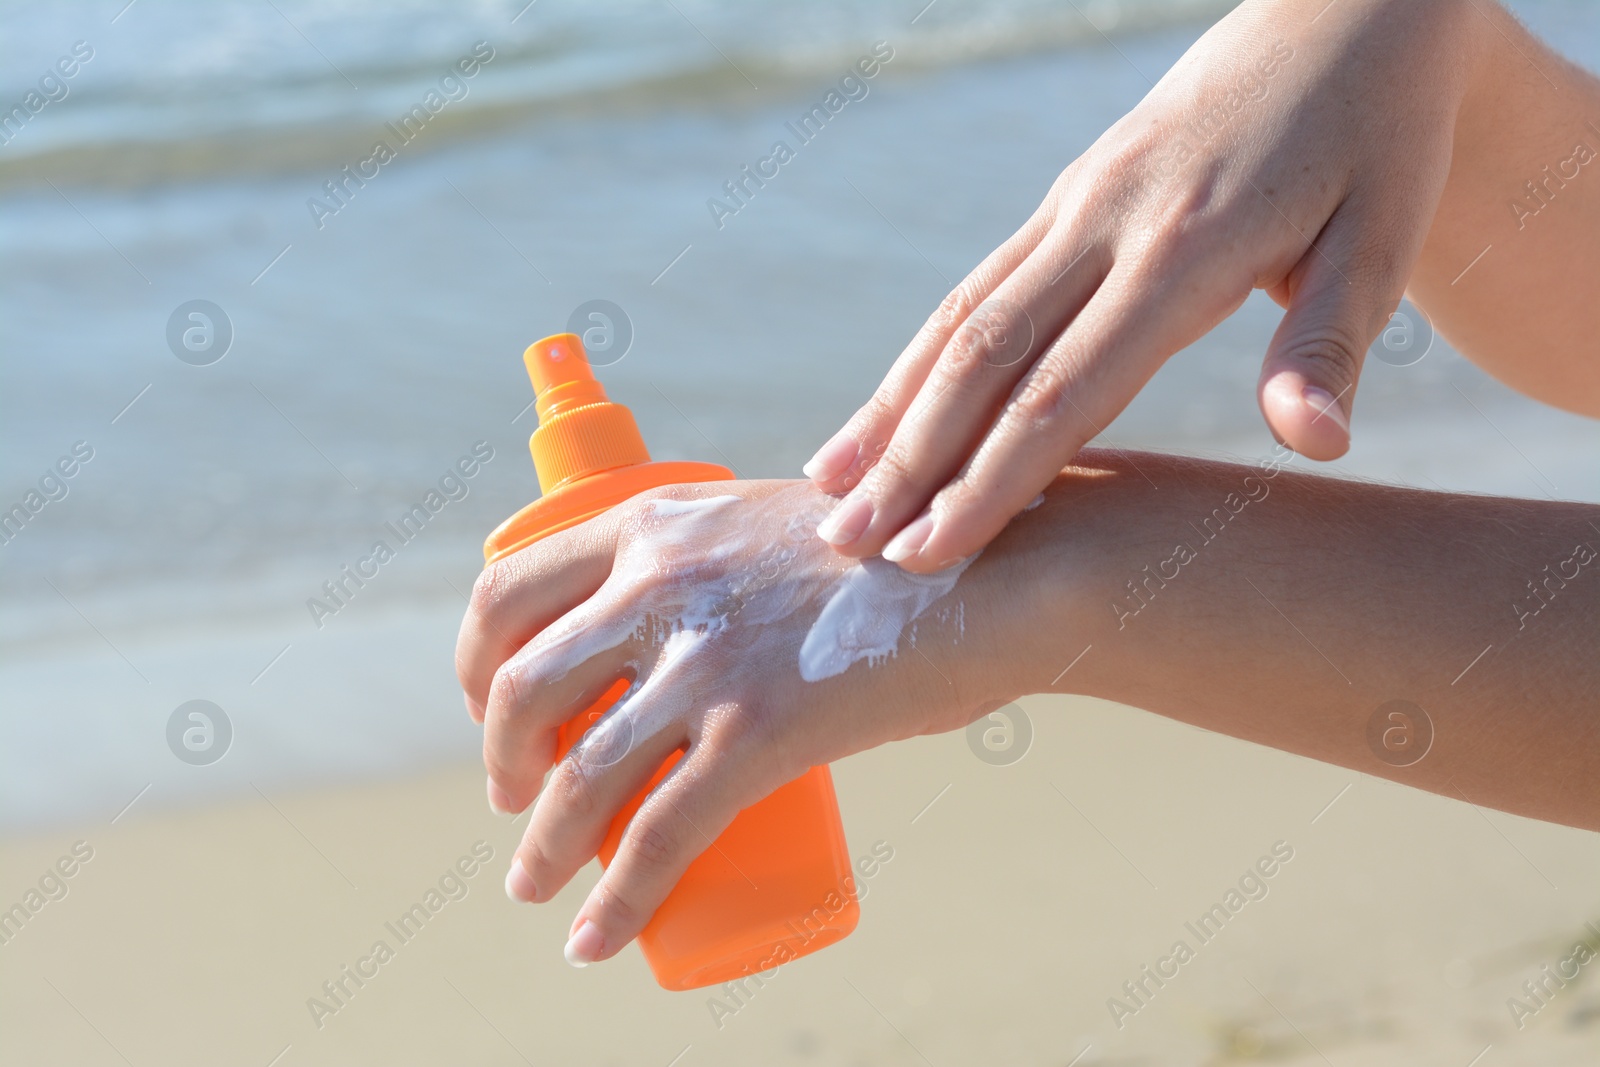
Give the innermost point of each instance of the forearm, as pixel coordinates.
(1524, 195)
(1286, 609)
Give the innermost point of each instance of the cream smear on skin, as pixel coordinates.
(713, 584)
(689, 507)
(871, 606)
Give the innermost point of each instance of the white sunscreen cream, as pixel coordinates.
(870, 607)
(713, 587)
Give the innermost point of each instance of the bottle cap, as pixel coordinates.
(580, 431)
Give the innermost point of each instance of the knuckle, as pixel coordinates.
(623, 910)
(973, 346)
(637, 508)
(993, 332)
(955, 307)
(638, 512)
(1037, 403)
(749, 734)
(959, 499)
(490, 589)
(879, 410)
(538, 860)
(1062, 187)
(1172, 243)
(1105, 189)
(1334, 353)
(872, 425)
(513, 709)
(572, 787)
(650, 843)
(1185, 232)
(659, 492)
(894, 468)
(738, 728)
(506, 692)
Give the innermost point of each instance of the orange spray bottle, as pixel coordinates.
(777, 883)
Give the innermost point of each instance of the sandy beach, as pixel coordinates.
(1017, 902)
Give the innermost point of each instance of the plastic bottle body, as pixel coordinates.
(777, 883)
(774, 886)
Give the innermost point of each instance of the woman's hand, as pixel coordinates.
(748, 643)
(1300, 147)
(761, 652)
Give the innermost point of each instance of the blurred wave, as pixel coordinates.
(250, 89)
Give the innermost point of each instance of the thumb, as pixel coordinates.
(1337, 305)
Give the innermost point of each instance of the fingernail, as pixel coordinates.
(519, 885)
(909, 542)
(846, 522)
(474, 709)
(832, 458)
(499, 801)
(584, 946)
(1324, 403)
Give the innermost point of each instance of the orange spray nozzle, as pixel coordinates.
(580, 431)
(562, 378)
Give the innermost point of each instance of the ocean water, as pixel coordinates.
(371, 347)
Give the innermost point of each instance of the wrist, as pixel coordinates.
(1122, 559)
(1058, 566)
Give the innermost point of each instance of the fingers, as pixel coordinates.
(966, 387)
(839, 464)
(682, 818)
(557, 675)
(1130, 327)
(522, 594)
(1340, 296)
(595, 781)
